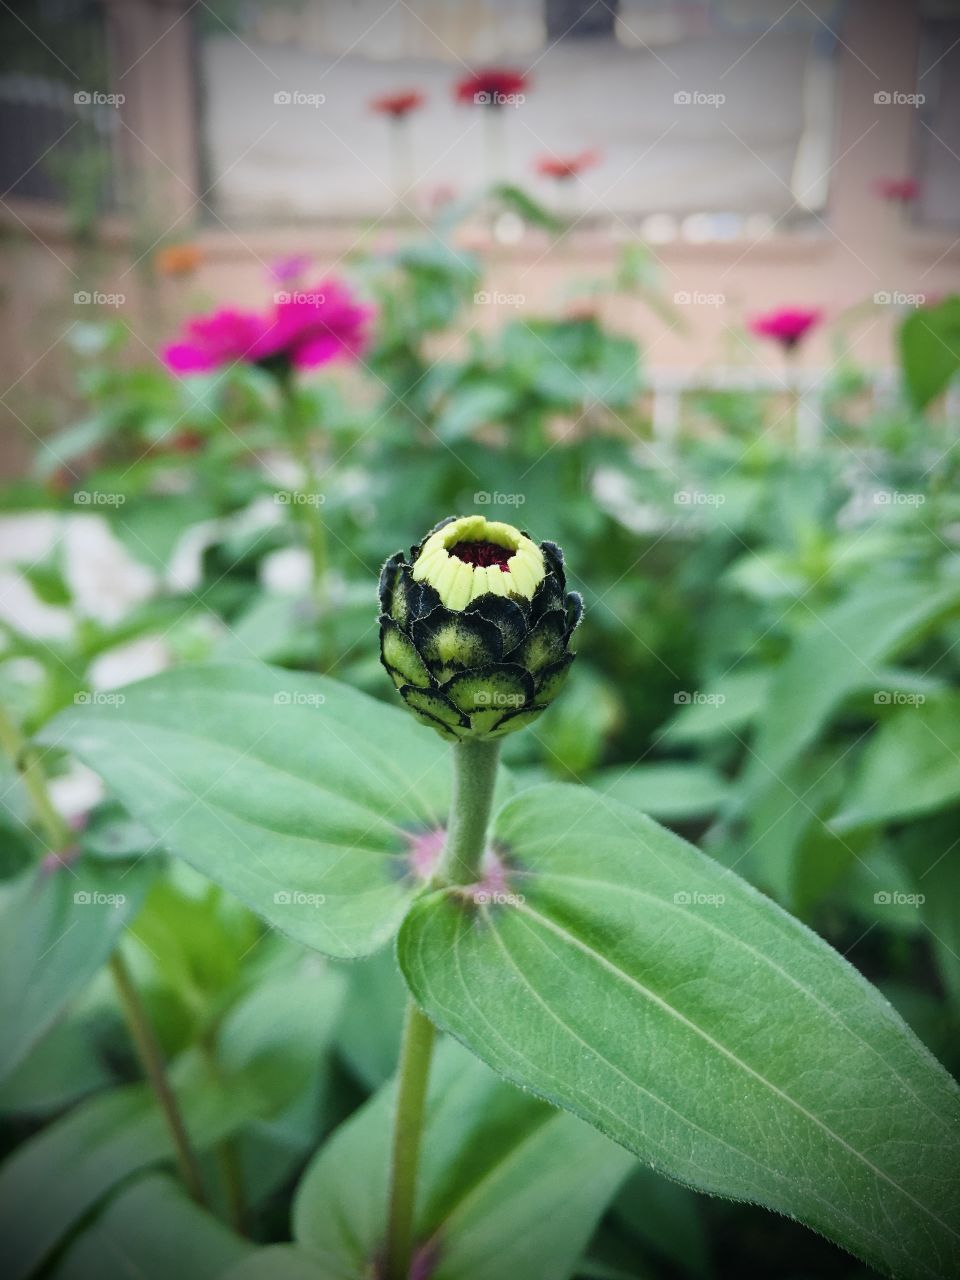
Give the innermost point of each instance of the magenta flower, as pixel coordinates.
(314, 326)
(304, 329)
(788, 326)
(229, 336)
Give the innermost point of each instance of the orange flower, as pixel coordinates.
(178, 259)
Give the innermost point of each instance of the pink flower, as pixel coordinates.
(305, 328)
(490, 87)
(314, 326)
(289, 269)
(903, 190)
(227, 337)
(787, 326)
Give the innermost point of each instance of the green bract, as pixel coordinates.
(475, 627)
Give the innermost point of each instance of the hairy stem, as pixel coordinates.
(475, 774)
(474, 777)
(413, 1074)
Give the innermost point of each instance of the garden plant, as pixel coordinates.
(450, 833)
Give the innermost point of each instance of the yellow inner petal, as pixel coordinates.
(457, 583)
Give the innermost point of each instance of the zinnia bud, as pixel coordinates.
(475, 627)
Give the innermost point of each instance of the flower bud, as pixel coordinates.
(475, 627)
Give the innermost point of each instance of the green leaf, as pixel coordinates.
(278, 1262)
(266, 1050)
(911, 765)
(369, 1033)
(532, 211)
(508, 1185)
(839, 654)
(930, 349)
(63, 1066)
(58, 926)
(655, 994)
(729, 705)
(666, 1218)
(670, 792)
(152, 1230)
(293, 792)
(478, 403)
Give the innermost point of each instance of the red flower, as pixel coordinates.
(397, 105)
(563, 167)
(491, 87)
(902, 189)
(786, 326)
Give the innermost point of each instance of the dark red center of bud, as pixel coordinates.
(483, 554)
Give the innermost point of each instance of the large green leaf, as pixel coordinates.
(266, 1049)
(152, 1231)
(508, 1186)
(642, 986)
(58, 925)
(911, 765)
(295, 793)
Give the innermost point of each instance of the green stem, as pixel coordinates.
(60, 837)
(27, 763)
(151, 1058)
(315, 529)
(474, 777)
(227, 1151)
(413, 1074)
